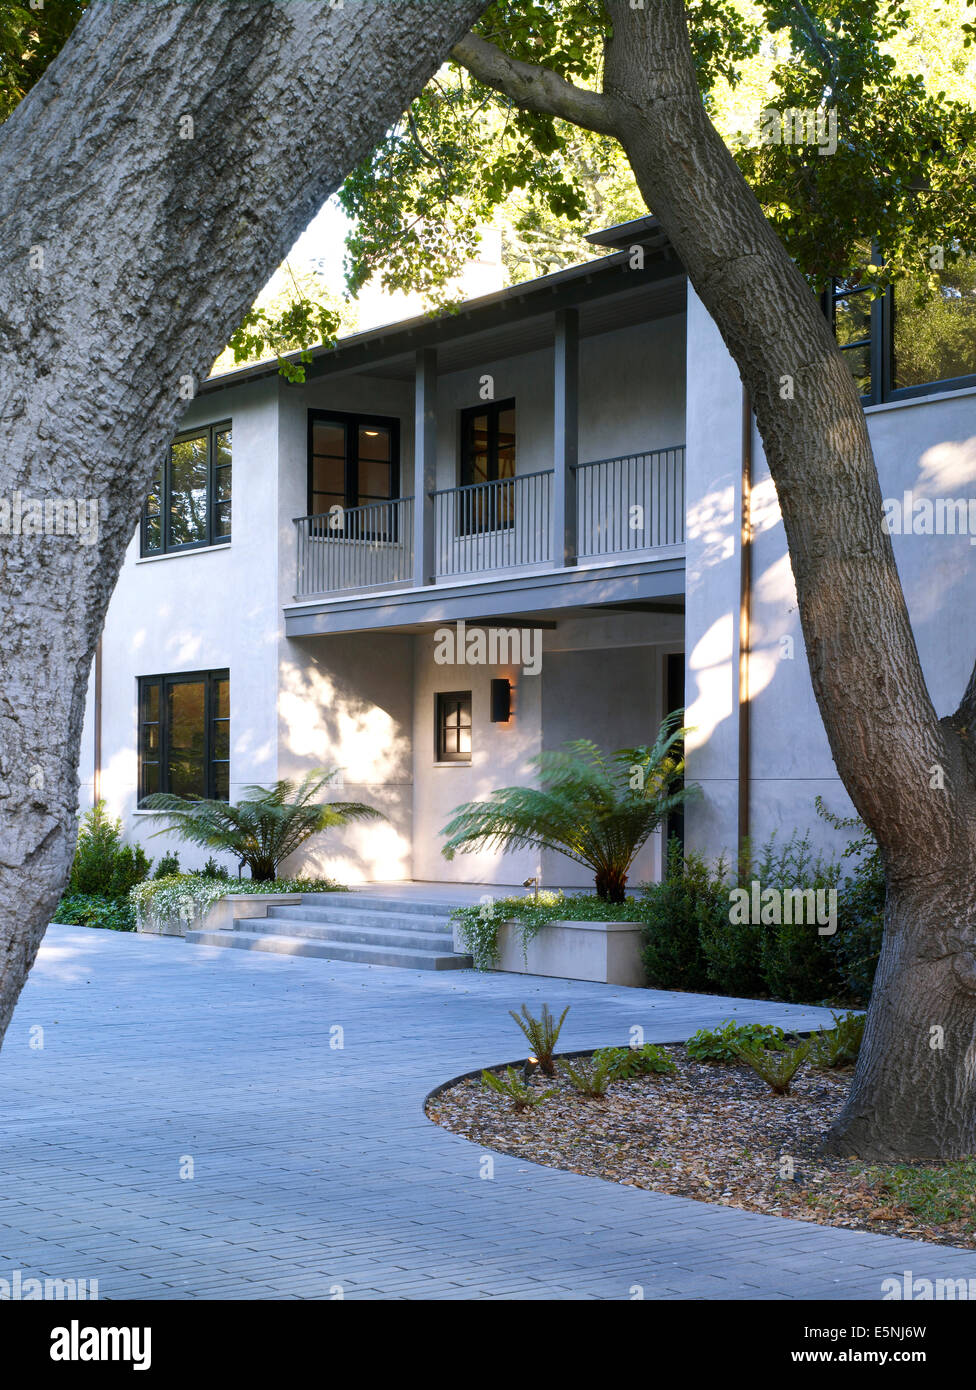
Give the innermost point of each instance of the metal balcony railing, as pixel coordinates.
(634, 502)
(506, 524)
(355, 547)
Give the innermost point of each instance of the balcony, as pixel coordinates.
(618, 508)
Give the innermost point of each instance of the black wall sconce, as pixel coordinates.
(501, 701)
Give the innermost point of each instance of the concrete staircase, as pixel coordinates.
(356, 926)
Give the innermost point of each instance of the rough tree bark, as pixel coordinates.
(149, 183)
(913, 1094)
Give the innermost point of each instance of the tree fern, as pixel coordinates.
(264, 828)
(598, 809)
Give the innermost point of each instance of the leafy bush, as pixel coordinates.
(797, 963)
(168, 865)
(838, 1046)
(675, 913)
(514, 1088)
(94, 910)
(214, 870)
(103, 865)
(720, 1044)
(777, 1069)
(542, 1034)
(624, 1062)
(588, 1076)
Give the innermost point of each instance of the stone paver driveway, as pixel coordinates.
(314, 1168)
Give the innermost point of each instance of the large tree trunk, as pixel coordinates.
(128, 255)
(910, 1098)
(910, 775)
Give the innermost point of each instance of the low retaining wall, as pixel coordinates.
(607, 952)
(223, 913)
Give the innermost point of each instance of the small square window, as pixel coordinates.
(453, 734)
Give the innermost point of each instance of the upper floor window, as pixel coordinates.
(189, 504)
(933, 330)
(917, 338)
(487, 456)
(184, 735)
(488, 443)
(353, 460)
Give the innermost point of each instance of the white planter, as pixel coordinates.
(223, 912)
(608, 952)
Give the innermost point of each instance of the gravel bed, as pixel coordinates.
(712, 1132)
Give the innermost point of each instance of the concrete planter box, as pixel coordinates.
(608, 952)
(223, 913)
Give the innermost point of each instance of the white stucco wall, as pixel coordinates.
(199, 610)
(926, 445)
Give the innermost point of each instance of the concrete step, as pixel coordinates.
(343, 916)
(330, 950)
(360, 900)
(365, 935)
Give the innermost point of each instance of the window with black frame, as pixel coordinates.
(184, 735)
(453, 726)
(933, 329)
(354, 462)
(190, 502)
(487, 457)
(915, 339)
(849, 311)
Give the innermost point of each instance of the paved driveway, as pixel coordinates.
(314, 1169)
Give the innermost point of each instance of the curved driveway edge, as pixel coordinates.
(215, 1124)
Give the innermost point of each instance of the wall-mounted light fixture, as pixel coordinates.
(501, 701)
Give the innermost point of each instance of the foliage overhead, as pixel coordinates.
(462, 156)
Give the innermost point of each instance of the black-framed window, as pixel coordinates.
(184, 735)
(849, 309)
(190, 502)
(453, 726)
(915, 339)
(353, 460)
(487, 455)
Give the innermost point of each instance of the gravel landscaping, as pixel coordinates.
(716, 1133)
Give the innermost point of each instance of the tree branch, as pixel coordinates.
(535, 88)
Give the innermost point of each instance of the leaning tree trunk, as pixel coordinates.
(910, 775)
(149, 184)
(913, 1094)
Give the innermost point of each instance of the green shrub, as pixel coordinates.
(588, 1076)
(625, 1062)
(838, 1046)
(168, 866)
(542, 1034)
(214, 870)
(777, 1069)
(103, 866)
(720, 1044)
(674, 913)
(95, 910)
(514, 1089)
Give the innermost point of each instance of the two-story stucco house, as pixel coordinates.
(560, 466)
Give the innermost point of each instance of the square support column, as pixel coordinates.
(424, 464)
(565, 436)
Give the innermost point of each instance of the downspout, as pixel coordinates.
(97, 770)
(745, 614)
